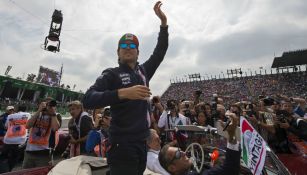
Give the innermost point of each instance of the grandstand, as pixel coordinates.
(289, 79)
(14, 91)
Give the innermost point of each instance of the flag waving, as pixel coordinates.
(253, 147)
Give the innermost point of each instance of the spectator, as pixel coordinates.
(97, 140)
(3, 118)
(79, 126)
(153, 143)
(170, 118)
(16, 135)
(40, 124)
(201, 119)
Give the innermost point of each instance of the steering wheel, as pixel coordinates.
(196, 152)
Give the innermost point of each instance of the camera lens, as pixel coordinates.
(52, 103)
(171, 104)
(187, 105)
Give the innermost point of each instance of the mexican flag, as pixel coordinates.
(253, 147)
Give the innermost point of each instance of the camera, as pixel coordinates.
(214, 101)
(251, 107)
(261, 97)
(187, 113)
(282, 116)
(268, 101)
(186, 104)
(107, 112)
(198, 92)
(155, 99)
(73, 132)
(171, 104)
(214, 112)
(51, 103)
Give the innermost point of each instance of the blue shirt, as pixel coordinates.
(3, 119)
(92, 140)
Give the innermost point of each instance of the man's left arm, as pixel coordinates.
(297, 127)
(86, 127)
(156, 58)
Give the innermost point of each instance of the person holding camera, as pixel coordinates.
(187, 109)
(79, 126)
(289, 123)
(170, 118)
(196, 95)
(40, 124)
(97, 140)
(157, 107)
(156, 111)
(264, 120)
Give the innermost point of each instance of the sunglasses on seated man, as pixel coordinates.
(125, 45)
(178, 155)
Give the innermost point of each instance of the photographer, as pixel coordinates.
(215, 113)
(98, 136)
(170, 118)
(280, 143)
(79, 126)
(289, 123)
(157, 109)
(187, 109)
(196, 96)
(250, 113)
(221, 110)
(263, 120)
(40, 124)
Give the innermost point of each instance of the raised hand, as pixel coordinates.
(160, 14)
(231, 129)
(137, 92)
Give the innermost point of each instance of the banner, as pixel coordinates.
(253, 147)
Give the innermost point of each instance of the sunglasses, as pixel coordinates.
(125, 46)
(178, 155)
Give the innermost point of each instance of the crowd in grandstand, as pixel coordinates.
(241, 88)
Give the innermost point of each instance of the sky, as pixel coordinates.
(206, 37)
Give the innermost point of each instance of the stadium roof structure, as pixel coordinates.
(290, 59)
